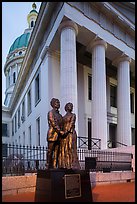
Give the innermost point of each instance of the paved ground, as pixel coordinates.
(122, 192)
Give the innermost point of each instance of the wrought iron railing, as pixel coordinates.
(24, 159)
(86, 143)
(98, 160)
(113, 144)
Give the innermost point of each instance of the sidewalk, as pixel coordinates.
(122, 192)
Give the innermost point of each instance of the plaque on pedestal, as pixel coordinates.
(72, 185)
(63, 185)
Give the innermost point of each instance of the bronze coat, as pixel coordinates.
(55, 125)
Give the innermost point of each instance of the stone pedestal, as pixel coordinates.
(63, 185)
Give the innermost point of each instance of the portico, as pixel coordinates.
(79, 52)
(69, 31)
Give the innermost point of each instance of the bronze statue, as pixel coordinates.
(68, 145)
(54, 133)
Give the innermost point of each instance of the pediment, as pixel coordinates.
(127, 9)
(121, 12)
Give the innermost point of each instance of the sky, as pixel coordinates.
(14, 23)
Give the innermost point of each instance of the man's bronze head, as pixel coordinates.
(55, 103)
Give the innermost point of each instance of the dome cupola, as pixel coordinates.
(16, 55)
(32, 16)
(20, 42)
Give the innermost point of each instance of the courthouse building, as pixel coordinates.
(79, 52)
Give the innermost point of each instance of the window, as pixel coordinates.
(20, 53)
(113, 96)
(38, 130)
(89, 87)
(37, 89)
(133, 135)
(30, 135)
(19, 141)
(29, 102)
(112, 135)
(24, 138)
(23, 111)
(132, 102)
(9, 80)
(32, 24)
(4, 150)
(16, 142)
(15, 123)
(89, 133)
(12, 127)
(19, 117)
(14, 77)
(4, 129)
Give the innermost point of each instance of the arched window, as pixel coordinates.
(32, 24)
(20, 53)
(14, 77)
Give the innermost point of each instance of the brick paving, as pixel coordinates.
(122, 192)
(119, 192)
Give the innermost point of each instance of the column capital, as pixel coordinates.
(68, 24)
(97, 41)
(121, 58)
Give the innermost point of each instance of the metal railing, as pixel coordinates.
(20, 159)
(98, 160)
(24, 159)
(113, 144)
(95, 144)
(86, 143)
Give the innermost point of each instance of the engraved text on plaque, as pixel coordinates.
(72, 185)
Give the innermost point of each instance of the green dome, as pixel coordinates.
(33, 11)
(20, 42)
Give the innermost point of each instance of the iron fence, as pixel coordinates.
(86, 143)
(113, 143)
(99, 160)
(20, 159)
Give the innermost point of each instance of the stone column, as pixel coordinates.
(99, 103)
(68, 66)
(123, 101)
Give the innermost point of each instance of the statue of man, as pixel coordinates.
(54, 133)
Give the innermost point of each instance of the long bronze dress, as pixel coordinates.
(68, 145)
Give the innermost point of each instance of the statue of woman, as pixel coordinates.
(68, 146)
